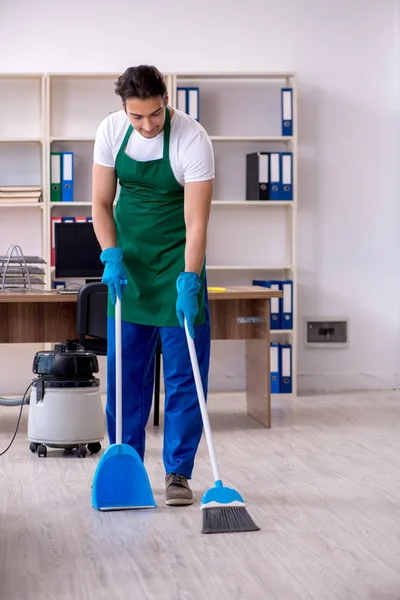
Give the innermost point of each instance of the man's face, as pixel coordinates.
(146, 116)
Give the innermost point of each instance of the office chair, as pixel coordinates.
(91, 320)
(91, 317)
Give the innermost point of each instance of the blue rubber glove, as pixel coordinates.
(188, 286)
(114, 273)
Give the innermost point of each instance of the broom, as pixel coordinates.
(223, 508)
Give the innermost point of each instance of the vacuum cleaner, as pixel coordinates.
(65, 407)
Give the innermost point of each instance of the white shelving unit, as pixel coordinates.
(23, 159)
(241, 112)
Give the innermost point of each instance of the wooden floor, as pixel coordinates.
(323, 485)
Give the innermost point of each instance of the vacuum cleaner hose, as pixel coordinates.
(12, 401)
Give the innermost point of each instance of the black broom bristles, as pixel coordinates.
(227, 519)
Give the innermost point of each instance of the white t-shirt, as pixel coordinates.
(190, 149)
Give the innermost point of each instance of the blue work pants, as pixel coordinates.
(182, 416)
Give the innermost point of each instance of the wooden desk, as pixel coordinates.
(240, 313)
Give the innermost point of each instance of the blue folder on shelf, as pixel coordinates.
(286, 368)
(275, 304)
(275, 380)
(68, 219)
(67, 183)
(188, 101)
(287, 111)
(275, 176)
(287, 304)
(286, 176)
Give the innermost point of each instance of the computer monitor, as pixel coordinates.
(77, 251)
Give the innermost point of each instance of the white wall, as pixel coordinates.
(345, 53)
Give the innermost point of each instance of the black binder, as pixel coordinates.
(257, 176)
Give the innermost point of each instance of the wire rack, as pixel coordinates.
(20, 272)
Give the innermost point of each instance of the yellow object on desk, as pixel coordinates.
(216, 289)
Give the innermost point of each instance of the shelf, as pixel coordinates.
(70, 204)
(82, 75)
(281, 331)
(234, 76)
(263, 203)
(22, 204)
(71, 139)
(214, 138)
(21, 140)
(230, 138)
(266, 203)
(248, 268)
(21, 75)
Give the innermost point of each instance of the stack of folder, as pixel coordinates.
(61, 176)
(16, 194)
(281, 308)
(269, 176)
(281, 368)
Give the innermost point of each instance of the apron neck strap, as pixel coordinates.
(167, 130)
(126, 138)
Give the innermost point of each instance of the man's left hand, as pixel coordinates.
(188, 286)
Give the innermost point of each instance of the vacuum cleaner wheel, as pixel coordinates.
(94, 448)
(42, 451)
(33, 446)
(81, 451)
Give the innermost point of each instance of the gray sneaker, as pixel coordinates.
(177, 490)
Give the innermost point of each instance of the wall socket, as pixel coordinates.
(326, 333)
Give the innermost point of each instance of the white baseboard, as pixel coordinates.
(316, 384)
(331, 384)
(230, 383)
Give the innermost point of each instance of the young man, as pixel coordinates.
(163, 160)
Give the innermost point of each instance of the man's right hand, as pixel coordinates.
(114, 274)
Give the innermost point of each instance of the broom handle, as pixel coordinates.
(202, 402)
(118, 372)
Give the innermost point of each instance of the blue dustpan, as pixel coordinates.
(120, 481)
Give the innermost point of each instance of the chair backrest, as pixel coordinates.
(91, 315)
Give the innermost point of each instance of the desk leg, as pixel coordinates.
(258, 395)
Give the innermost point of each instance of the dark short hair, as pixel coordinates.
(144, 81)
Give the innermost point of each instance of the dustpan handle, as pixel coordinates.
(118, 373)
(202, 402)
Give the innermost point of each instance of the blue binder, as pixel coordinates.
(287, 111)
(275, 304)
(275, 380)
(275, 176)
(193, 102)
(188, 101)
(286, 176)
(67, 183)
(181, 99)
(68, 219)
(287, 304)
(286, 368)
(89, 219)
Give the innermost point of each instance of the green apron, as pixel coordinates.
(151, 232)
